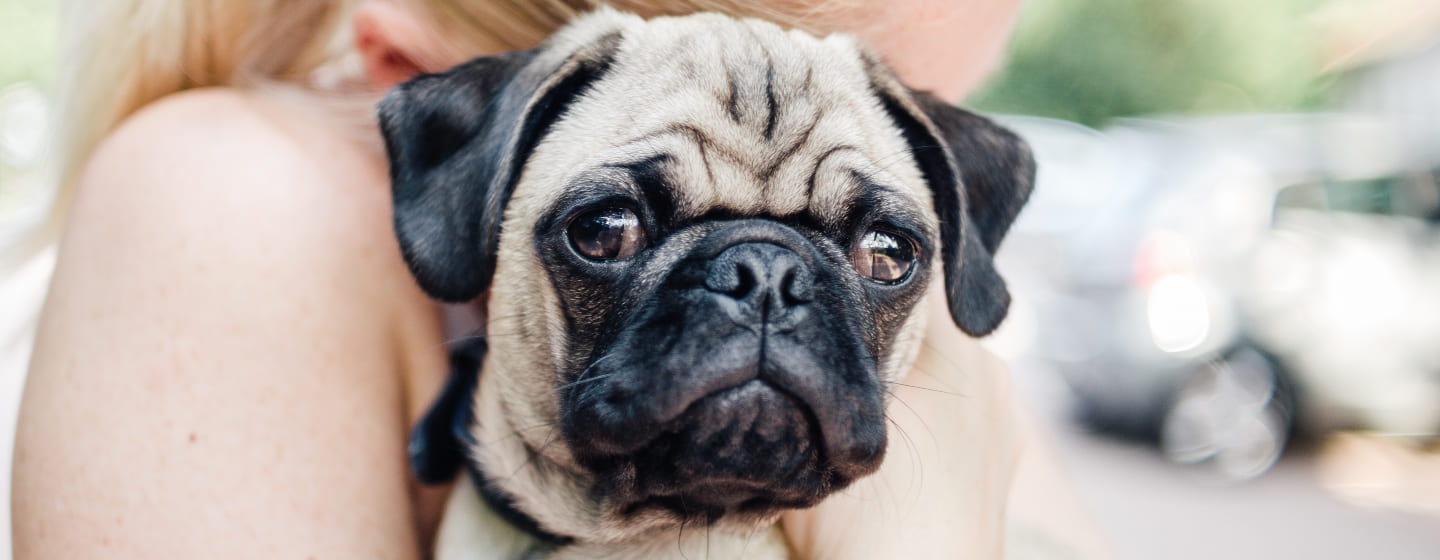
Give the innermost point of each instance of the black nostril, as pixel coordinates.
(730, 277)
(745, 282)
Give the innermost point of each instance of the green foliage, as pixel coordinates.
(27, 35)
(1093, 60)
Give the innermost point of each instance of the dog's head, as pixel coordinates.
(703, 242)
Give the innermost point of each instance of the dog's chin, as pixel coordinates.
(743, 454)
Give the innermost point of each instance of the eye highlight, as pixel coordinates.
(607, 234)
(883, 256)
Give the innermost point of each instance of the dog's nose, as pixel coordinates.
(764, 278)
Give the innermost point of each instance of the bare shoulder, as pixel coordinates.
(225, 180)
(224, 348)
(256, 195)
(227, 152)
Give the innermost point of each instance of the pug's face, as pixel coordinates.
(704, 240)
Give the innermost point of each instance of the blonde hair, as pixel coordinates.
(520, 24)
(119, 55)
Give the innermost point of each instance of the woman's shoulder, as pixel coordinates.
(221, 179)
(210, 106)
(230, 325)
(201, 159)
(194, 120)
(222, 192)
(229, 137)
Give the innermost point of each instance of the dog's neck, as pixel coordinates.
(474, 530)
(503, 505)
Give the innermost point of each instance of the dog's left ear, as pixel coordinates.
(457, 142)
(980, 175)
(441, 440)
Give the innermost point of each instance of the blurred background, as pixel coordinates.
(1227, 283)
(26, 42)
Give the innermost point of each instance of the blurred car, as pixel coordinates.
(1217, 285)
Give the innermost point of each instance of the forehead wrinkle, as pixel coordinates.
(821, 180)
(668, 89)
(752, 102)
(649, 178)
(892, 199)
(689, 162)
(846, 174)
(826, 197)
(719, 170)
(900, 200)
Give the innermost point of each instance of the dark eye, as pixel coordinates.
(883, 257)
(608, 234)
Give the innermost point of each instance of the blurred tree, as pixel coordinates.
(1093, 60)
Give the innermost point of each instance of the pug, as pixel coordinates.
(701, 242)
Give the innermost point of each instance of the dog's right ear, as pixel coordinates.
(457, 142)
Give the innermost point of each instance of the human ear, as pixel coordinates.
(394, 44)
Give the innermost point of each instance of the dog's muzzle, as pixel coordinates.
(739, 386)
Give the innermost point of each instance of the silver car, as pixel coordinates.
(1217, 285)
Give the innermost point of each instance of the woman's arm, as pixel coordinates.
(218, 372)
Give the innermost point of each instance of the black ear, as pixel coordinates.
(980, 175)
(457, 142)
(440, 441)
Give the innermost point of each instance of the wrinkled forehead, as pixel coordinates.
(751, 119)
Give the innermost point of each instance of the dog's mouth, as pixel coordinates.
(749, 450)
(746, 449)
